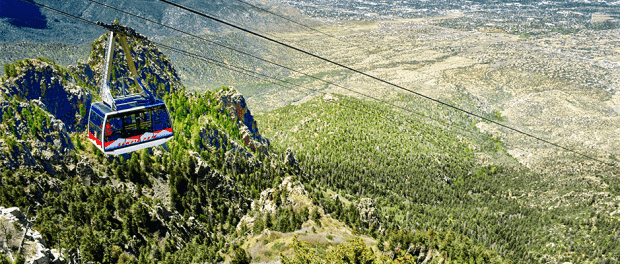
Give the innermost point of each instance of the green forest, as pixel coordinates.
(430, 181)
(335, 179)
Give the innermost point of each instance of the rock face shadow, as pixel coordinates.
(23, 15)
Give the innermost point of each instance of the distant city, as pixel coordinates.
(519, 17)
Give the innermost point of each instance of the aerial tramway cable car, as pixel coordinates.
(129, 122)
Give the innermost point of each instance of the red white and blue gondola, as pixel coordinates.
(130, 122)
(136, 124)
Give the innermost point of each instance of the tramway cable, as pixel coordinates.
(335, 63)
(384, 81)
(391, 104)
(278, 81)
(268, 61)
(130, 122)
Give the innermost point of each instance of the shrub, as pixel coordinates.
(49, 61)
(9, 70)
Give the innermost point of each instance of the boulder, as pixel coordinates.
(57, 257)
(368, 212)
(329, 97)
(202, 167)
(85, 171)
(41, 255)
(14, 211)
(289, 159)
(296, 196)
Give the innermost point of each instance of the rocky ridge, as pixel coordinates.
(296, 196)
(57, 89)
(15, 226)
(36, 140)
(235, 104)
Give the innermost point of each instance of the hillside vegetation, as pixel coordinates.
(419, 177)
(179, 203)
(332, 180)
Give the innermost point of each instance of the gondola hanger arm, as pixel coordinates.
(122, 33)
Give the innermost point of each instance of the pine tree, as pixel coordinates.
(259, 225)
(268, 221)
(380, 245)
(315, 215)
(241, 256)
(304, 214)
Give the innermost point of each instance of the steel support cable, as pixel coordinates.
(58, 11)
(347, 43)
(92, 23)
(233, 49)
(273, 63)
(386, 82)
(178, 30)
(406, 109)
(157, 23)
(277, 81)
(524, 133)
(219, 63)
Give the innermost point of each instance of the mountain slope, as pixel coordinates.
(162, 204)
(421, 177)
(49, 26)
(192, 200)
(325, 180)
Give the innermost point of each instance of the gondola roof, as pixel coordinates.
(126, 103)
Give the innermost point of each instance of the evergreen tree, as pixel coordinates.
(268, 221)
(240, 256)
(259, 225)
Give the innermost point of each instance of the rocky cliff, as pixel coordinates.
(19, 236)
(34, 139)
(57, 89)
(234, 104)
